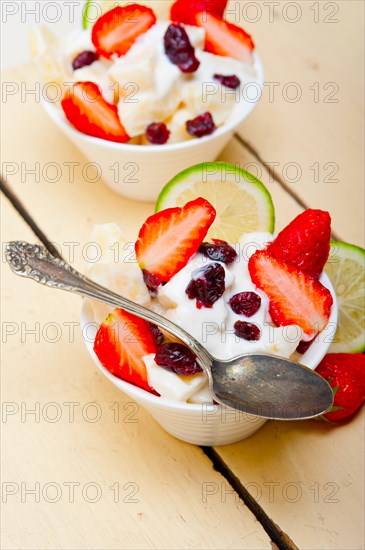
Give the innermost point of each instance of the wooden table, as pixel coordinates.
(79, 470)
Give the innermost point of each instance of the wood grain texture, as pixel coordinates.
(105, 475)
(310, 121)
(321, 466)
(308, 477)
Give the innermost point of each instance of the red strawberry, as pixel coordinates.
(184, 11)
(86, 109)
(305, 242)
(121, 342)
(224, 38)
(345, 373)
(169, 238)
(295, 297)
(116, 31)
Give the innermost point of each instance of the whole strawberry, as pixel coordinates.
(305, 242)
(345, 372)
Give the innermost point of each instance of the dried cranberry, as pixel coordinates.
(207, 285)
(188, 63)
(179, 49)
(229, 81)
(218, 250)
(245, 303)
(157, 334)
(157, 133)
(202, 125)
(304, 346)
(83, 59)
(247, 331)
(177, 358)
(151, 281)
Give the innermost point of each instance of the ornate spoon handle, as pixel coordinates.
(35, 262)
(251, 383)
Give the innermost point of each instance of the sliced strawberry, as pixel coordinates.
(305, 242)
(121, 342)
(345, 372)
(169, 238)
(224, 38)
(116, 31)
(86, 109)
(184, 11)
(295, 297)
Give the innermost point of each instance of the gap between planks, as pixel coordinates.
(246, 145)
(277, 536)
(280, 539)
(23, 212)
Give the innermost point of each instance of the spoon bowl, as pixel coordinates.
(261, 384)
(269, 386)
(202, 423)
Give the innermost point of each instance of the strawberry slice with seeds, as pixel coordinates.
(184, 11)
(224, 38)
(86, 109)
(295, 297)
(305, 242)
(169, 238)
(120, 344)
(117, 30)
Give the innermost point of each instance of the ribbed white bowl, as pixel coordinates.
(206, 424)
(144, 169)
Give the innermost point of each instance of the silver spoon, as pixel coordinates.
(258, 383)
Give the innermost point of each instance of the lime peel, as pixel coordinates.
(242, 202)
(346, 270)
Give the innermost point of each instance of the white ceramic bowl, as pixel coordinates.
(140, 171)
(205, 424)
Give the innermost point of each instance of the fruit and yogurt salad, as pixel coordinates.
(133, 78)
(262, 293)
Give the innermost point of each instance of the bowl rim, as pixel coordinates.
(142, 395)
(57, 116)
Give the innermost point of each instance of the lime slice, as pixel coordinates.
(242, 202)
(346, 270)
(94, 9)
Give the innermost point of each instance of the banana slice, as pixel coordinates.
(284, 340)
(131, 76)
(115, 264)
(171, 385)
(205, 94)
(135, 117)
(177, 125)
(45, 50)
(196, 36)
(97, 72)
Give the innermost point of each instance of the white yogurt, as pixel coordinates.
(213, 327)
(147, 87)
